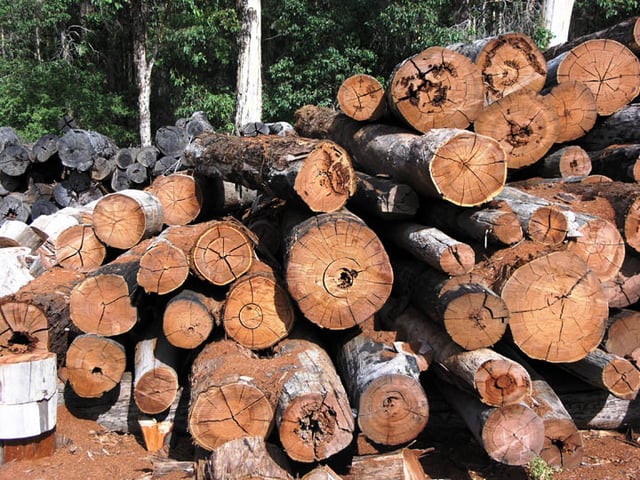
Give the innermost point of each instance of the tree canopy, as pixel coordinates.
(76, 56)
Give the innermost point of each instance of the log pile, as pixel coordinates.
(291, 302)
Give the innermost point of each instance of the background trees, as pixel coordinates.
(77, 56)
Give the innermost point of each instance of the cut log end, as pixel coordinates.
(78, 248)
(187, 321)
(24, 328)
(502, 382)
(327, 179)
(576, 108)
(156, 390)
(469, 169)
(180, 196)
(622, 378)
(548, 225)
(393, 410)
(163, 268)
(362, 98)
(563, 447)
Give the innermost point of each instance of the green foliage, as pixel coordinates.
(593, 15)
(219, 107)
(538, 469)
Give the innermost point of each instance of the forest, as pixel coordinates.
(77, 57)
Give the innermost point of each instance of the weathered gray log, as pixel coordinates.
(79, 148)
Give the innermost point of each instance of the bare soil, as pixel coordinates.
(86, 451)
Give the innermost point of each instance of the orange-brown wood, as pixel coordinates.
(181, 196)
(189, 318)
(362, 97)
(156, 382)
(570, 161)
(575, 105)
(623, 333)
(24, 328)
(79, 248)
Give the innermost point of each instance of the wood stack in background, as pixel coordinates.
(313, 291)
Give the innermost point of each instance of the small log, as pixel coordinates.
(78, 149)
(383, 385)
(28, 395)
(495, 379)
(15, 159)
(618, 162)
(103, 169)
(557, 306)
(456, 165)
(125, 157)
(14, 207)
(494, 223)
(229, 397)
(513, 434)
(318, 173)
(155, 386)
(14, 233)
(23, 328)
(508, 63)
(165, 165)
(181, 196)
(607, 371)
(313, 415)
(436, 88)
(432, 246)
(247, 457)
(119, 180)
(223, 252)
(138, 175)
(607, 67)
(384, 198)
(155, 434)
(258, 312)
(403, 464)
(196, 124)
(94, 365)
(623, 334)
(122, 219)
(10, 184)
(104, 302)
(524, 124)
(8, 136)
(337, 270)
(79, 248)
(623, 290)
(171, 140)
(147, 156)
(576, 108)
(189, 318)
(570, 161)
(362, 97)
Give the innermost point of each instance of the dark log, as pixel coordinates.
(384, 198)
(137, 174)
(147, 156)
(196, 124)
(165, 165)
(8, 136)
(125, 157)
(78, 148)
(618, 162)
(15, 159)
(45, 147)
(171, 140)
(459, 166)
(15, 206)
(119, 180)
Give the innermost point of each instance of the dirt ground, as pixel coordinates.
(86, 451)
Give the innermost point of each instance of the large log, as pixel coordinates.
(524, 124)
(495, 379)
(318, 173)
(384, 387)
(508, 63)
(122, 219)
(607, 67)
(79, 149)
(436, 88)
(181, 195)
(513, 434)
(313, 415)
(79, 248)
(557, 306)
(459, 166)
(337, 270)
(15, 159)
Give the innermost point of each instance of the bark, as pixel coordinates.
(383, 385)
(362, 98)
(607, 67)
(249, 75)
(94, 365)
(508, 63)
(384, 198)
(337, 270)
(558, 308)
(456, 165)
(493, 378)
(524, 124)
(313, 172)
(436, 88)
(618, 162)
(122, 219)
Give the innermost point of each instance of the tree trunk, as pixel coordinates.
(558, 309)
(189, 318)
(524, 124)
(94, 365)
(249, 74)
(384, 386)
(557, 18)
(258, 312)
(493, 378)
(317, 173)
(508, 63)
(122, 219)
(104, 302)
(247, 458)
(513, 434)
(570, 161)
(362, 98)
(143, 65)
(607, 371)
(229, 396)
(456, 165)
(337, 270)
(28, 395)
(384, 198)
(155, 385)
(436, 88)
(313, 416)
(576, 108)
(432, 246)
(608, 68)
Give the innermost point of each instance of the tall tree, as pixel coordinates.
(557, 19)
(249, 83)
